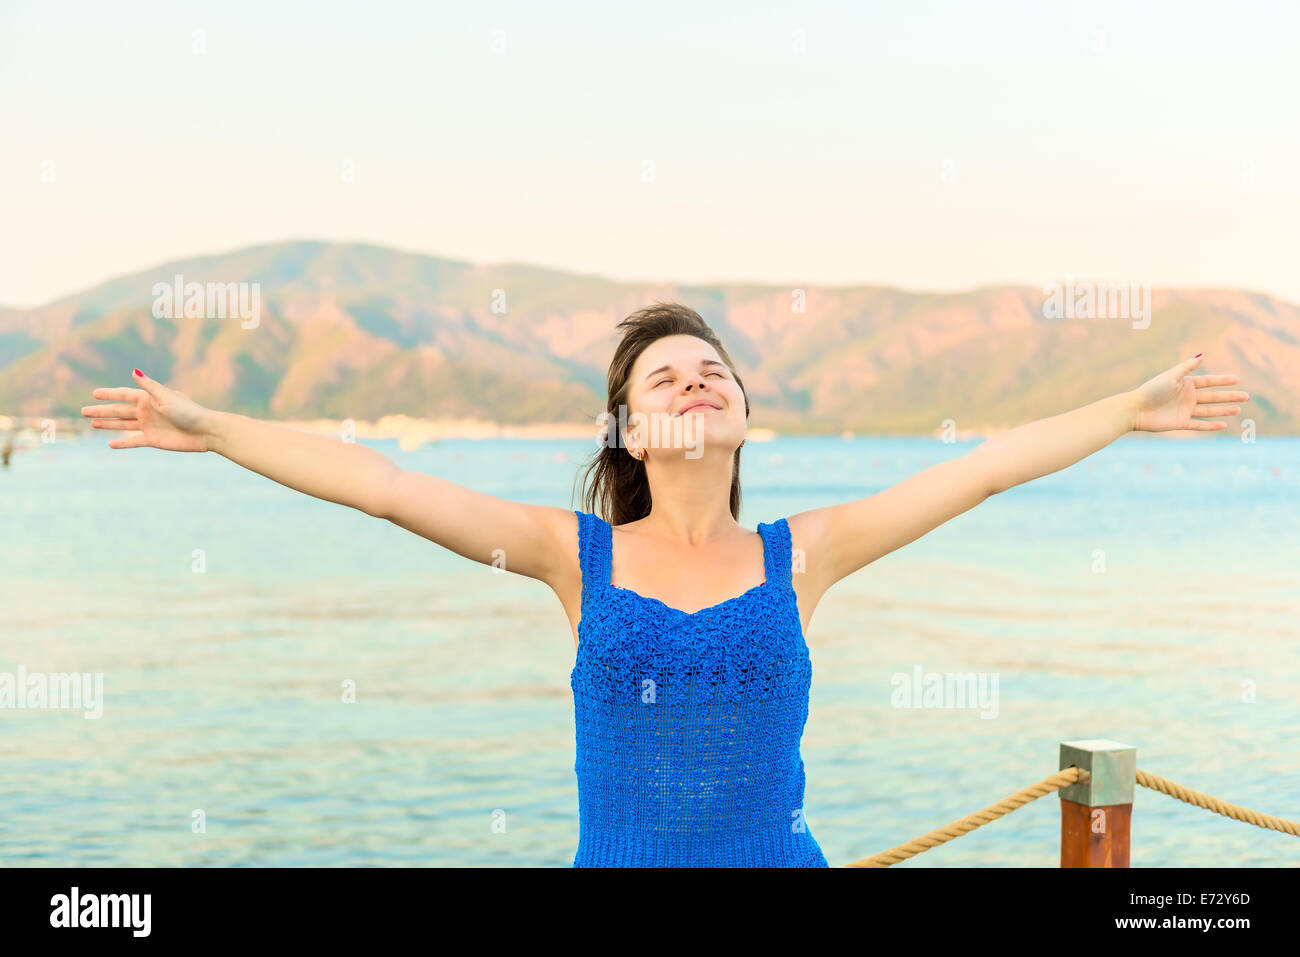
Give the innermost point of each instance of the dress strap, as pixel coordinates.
(776, 551)
(595, 548)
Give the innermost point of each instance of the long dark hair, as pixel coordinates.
(618, 490)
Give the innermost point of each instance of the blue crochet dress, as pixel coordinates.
(688, 724)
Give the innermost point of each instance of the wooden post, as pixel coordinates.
(1095, 815)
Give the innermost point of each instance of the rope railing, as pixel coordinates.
(1067, 778)
(971, 821)
(1235, 811)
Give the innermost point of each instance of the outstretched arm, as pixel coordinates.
(527, 539)
(1167, 403)
(840, 539)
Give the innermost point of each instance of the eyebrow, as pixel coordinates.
(703, 363)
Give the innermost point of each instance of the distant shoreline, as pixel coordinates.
(412, 432)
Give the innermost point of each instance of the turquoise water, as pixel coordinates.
(223, 689)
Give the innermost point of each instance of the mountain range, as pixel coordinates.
(359, 331)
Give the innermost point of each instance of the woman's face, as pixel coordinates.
(668, 381)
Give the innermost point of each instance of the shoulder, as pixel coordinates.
(777, 530)
(564, 532)
(809, 530)
(809, 538)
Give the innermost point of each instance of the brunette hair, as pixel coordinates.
(615, 484)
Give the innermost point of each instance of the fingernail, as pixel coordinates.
(138, 372)
(1198, 355)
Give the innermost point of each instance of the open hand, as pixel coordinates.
(1172, 399)
(162, 418)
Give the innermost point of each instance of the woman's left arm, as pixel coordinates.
(1172, 400)
(839, 539)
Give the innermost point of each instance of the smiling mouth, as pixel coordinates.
(698, 405)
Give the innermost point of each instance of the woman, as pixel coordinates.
(692, 674)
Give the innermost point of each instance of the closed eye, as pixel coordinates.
(670, 379)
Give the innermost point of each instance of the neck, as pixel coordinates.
(691, 501)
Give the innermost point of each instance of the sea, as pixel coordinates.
(286, 681)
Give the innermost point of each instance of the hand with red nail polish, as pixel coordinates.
(1174, 399)
(162, 418)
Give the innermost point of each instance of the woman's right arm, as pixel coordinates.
(323, 467)
(526, 539)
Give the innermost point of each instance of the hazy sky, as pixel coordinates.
(923, 145)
